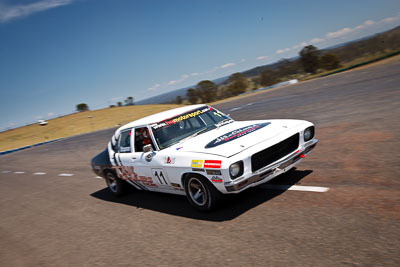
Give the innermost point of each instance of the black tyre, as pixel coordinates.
(117, 186)
(201, 193)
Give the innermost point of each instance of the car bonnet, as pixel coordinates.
(235, 137)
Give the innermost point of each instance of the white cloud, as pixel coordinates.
(262, 57)
(339, 33)
(183, 77)
(280, 51)
(212, 70)
(195, 74)
(172, 82)
(10, 12)
(300, 45)
(316, 40)
(154, 87)
(116, 98)
(390, 19)
(227, 65)
(369, 22)
(359, 27)
(50, 114)
(345, 31)
(243, 60)
(366, 24)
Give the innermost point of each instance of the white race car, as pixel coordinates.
(202, 153)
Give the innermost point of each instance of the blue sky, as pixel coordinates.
(55, 54)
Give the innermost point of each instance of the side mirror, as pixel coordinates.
(148, 148)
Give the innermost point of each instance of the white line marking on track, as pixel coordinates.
(5, 171)
(19, 172)
(66, 174)
(234, 109)
(39, 173)
(317, 189)
(98, 177)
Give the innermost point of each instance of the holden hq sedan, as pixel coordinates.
(202, 153)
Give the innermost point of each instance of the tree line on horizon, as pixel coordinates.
(129, 101)
(310, 61)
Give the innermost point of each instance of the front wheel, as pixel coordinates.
(201, 193)
(117, 186)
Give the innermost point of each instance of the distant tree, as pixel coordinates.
(237, 84)
(82, 107)
(178, 100)
(119, 104)
(206, 91)
(112, 106)
(237, 76)
(309, 56)
(288, 67)
(268, 77)
(192, 96)
(284, 67)
(329, 61)
(129, 101)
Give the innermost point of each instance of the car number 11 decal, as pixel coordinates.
(160, 177)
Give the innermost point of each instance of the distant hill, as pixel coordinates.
(170, 97)
(164, 98)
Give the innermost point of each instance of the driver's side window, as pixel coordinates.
(142, 138)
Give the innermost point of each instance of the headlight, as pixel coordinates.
(308, 133)
(236, 169)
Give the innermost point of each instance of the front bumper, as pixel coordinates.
(269, 172)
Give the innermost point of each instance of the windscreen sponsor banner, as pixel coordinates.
(180, 118)
(235, 134)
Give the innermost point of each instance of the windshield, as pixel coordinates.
(198, 121)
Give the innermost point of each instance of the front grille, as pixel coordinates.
(274, 153)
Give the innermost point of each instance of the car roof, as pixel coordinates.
(159, 116)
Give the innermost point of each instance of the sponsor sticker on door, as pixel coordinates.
(197, 163)
(215, 164)
(169, 160)
(216, 179)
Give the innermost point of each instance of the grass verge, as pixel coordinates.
(82, 122)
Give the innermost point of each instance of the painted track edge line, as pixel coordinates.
(25, 147)
(318, 189)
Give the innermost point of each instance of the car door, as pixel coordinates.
(123, 151)
(145, 167)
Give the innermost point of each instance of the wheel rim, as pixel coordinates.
(112, 182)
(197, 191)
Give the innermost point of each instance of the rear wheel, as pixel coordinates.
(201, 193)
(117, 186)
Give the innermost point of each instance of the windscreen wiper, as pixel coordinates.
(195, 134)
(223, 122)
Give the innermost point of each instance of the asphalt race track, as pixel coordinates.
(54, 212)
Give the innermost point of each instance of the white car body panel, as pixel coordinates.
(238, 141)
